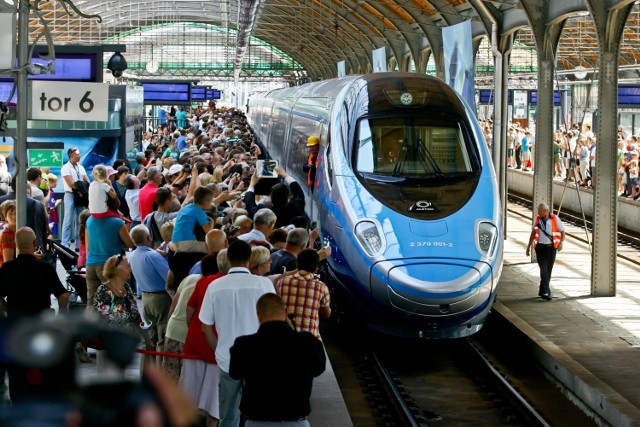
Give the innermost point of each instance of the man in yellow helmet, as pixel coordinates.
(313, 142)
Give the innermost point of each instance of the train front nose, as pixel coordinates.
(432, 288)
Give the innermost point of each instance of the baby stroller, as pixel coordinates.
(76, 279)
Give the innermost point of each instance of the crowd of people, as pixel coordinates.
(183, 241)
(574, 155)
(180, 241)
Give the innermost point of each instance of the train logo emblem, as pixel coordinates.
(422, 206)
(406, 98)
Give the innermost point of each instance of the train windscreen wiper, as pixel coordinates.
(426, 157)
(401, 159)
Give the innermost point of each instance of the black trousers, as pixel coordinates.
(518, 158)
(546, 256)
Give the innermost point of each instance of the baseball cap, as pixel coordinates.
(110, 171)
(174, 169)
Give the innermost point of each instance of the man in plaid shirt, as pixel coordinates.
(305, 296)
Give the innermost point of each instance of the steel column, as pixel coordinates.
(543, 166)
(609, 19)
(20, 143)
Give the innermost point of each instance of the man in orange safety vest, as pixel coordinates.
(547, 235)
(313, 142)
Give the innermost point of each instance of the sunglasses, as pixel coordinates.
(119, 260)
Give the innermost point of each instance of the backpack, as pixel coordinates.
(154, 231)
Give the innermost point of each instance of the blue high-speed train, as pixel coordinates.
(405, 193)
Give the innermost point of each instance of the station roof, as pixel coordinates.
(293, 39)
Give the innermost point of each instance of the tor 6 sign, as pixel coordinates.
(69, 101)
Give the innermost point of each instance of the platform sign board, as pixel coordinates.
(458, 54)
(50, 158)
(520, 106)
(7, 36)
(342, 68)
(69, 101)
(45, 154)
(379, 57)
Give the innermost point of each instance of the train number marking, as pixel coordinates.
(430, 244)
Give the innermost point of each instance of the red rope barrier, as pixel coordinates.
(165, 354)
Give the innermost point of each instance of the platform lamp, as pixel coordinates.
(579, 72)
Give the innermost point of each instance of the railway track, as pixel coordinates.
(392, 382)
(628, 242)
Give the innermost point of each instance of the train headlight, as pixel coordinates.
(369, 238)
(487, 237)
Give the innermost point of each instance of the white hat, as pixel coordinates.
(174, 169)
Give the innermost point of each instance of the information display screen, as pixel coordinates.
(628, 95)
(198, 93)
(166, 93)
(71, 68)
(486, 96)
(533, 97)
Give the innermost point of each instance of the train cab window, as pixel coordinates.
(411, 148)
(329, 163)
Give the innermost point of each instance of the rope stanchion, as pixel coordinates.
(166, 354)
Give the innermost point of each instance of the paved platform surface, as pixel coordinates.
(591, 344)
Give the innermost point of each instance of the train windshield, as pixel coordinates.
(412, 147)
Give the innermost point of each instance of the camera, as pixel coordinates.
(45, 346)
(117, 65)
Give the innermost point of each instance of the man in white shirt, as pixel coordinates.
(263, 222)
(71, 172)
(229, 303)
(148, 136)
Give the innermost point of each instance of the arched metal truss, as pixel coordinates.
(316, 34)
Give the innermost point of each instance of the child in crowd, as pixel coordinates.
(192, 215)
(82, 231)
(166, 248)
(99, 192)
(52, 206)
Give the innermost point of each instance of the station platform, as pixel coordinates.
(328, 408)
(590, 345)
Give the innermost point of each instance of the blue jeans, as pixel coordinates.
(229, 393)
(71, 213)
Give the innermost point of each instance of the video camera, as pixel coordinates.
(39, 354)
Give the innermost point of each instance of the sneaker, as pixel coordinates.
(546, 297)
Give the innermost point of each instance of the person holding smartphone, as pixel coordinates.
(282, 205)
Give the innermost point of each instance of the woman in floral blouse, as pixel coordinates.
(115, 301)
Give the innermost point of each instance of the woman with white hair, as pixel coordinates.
(260, 261)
